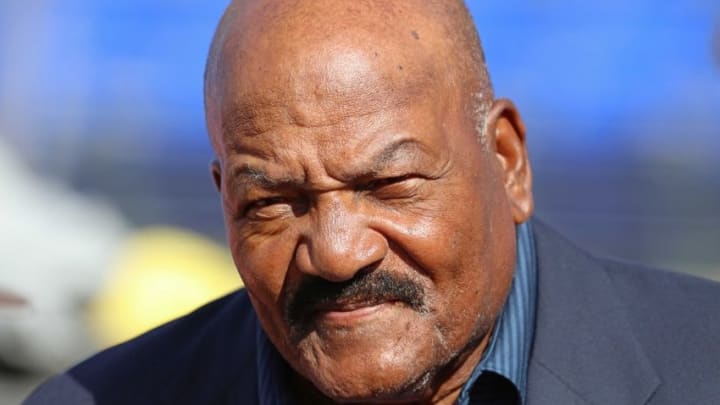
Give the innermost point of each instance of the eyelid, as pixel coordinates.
(378, 183)
(275, 207)
(262, 203)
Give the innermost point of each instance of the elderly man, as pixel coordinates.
(377, 201)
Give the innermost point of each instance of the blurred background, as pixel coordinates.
(109, 223)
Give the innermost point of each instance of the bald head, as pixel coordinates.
(374, 52)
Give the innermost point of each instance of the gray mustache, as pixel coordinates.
(366, 288)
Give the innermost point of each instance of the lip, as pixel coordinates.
(352, 313)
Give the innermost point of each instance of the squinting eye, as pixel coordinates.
(263, 203)
(376, 184)
(275, 207)
(267, 201)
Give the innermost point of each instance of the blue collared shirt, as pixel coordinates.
(509, 349)
(507, 354)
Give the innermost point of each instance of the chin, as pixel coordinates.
(355, 389)
(373, 370)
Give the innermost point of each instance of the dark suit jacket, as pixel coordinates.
(606, 333)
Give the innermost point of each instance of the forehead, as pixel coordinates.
(373, 144)
(334, 75)
(314, 66)
(322, 90)
(335, 100)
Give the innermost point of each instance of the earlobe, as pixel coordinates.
(506, 135)
(216, 172)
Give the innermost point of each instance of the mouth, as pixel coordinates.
(350, 312)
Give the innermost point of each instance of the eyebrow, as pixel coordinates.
(390, 153)
(249, 176)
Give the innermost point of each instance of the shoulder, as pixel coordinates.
(190, 360)
(667, 319)
(655, 289)
(648, 289)
(675, 319)
(677, 313)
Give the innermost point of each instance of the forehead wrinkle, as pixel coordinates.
(252, 112)
(380, 161)
(246, 176)
(255, 118)
(243, 118)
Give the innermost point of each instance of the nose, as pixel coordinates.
(339, 241)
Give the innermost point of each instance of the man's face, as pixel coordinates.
(372, 231)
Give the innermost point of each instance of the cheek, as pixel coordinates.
(462, 241)
(443, 236)
(262, 261)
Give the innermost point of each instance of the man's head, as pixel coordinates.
(370, 186)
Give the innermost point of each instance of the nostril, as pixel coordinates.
(369, 268)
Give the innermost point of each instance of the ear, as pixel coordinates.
(506, 136)
(216, 172)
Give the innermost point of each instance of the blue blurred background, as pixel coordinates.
(621, 98)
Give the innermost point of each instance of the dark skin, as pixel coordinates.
(349, 160)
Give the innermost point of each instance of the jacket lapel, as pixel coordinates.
(584, 350)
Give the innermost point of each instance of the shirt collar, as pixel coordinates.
(509, 349)
(507, 354)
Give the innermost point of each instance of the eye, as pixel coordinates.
(398, 189)
(380, 183)
(268, 208)
(266, 202)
